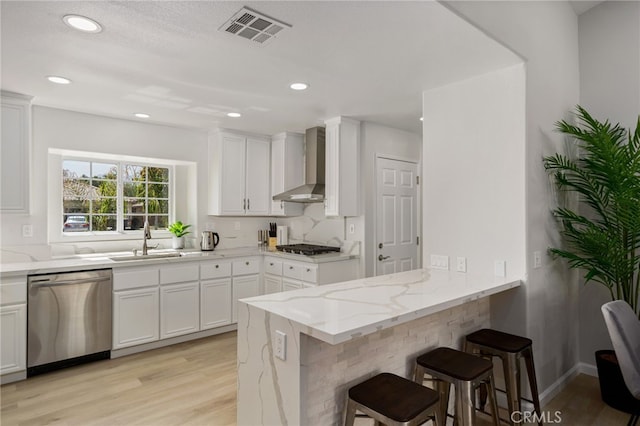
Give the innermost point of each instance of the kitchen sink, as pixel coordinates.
(145, 256)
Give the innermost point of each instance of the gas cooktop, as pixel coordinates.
(307, 249)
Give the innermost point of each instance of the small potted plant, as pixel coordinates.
(179, 230)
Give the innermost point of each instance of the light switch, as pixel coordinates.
(27, 231)
(500, 268)
(439, 262)
(461, 264)
(537, 259)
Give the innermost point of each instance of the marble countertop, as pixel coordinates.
(336, 313)
(103, 260)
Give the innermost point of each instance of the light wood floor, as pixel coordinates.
(193, 383)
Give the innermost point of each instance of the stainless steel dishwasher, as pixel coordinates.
(68, 319)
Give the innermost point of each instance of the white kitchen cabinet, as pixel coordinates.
(239, 175)
(342, 172)
(179, 309)
(243, 287)
(136, 315)
(13, 338)
(215, 303)
(287, 171)
(15, 146)
(290, 284)
(272, 284)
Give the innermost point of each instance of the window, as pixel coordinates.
(107, 196)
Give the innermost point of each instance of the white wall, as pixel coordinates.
(378, 140)
(545, 35)
(473, 175)
(609, 89)
(55, 128)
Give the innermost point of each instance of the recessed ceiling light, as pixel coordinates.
(82, 23)
(299, 86)
(234, 114)
(421, 118)
(141, 115)
(58, 80)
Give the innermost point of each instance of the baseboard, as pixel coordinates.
(557, 386)
(13, 377)
(588, 369)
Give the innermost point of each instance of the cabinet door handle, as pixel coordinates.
(308, 269)
(248, 203)
(217, 266)
(290, 267)
(271, 264)
(246, 263)
(244, 204)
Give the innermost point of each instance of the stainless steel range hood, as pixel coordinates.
(313, 189)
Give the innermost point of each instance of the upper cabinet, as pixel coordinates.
(15, 143)
(342, 173)
(287, 171)
(238, 174)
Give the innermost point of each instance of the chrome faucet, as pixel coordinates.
(147, 236)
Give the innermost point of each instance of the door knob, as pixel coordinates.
(380, 245)
(381, 258)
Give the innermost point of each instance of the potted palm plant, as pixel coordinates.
(179, 230)
(602, 235)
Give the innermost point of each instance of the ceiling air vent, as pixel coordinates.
(253, 26)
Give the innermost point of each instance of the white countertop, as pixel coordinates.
(102, 260)
(336, 313)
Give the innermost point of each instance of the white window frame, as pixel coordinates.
(55, 190)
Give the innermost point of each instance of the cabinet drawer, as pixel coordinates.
(246, 266)
(310, 273)
(13, 291)
(127, 278)
(292, 270)
(179, 273)
(209, 270)
(272, 266)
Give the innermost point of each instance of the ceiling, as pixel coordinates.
(365, 60)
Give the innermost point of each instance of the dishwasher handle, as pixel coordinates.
(49, 283)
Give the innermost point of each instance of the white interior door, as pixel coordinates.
(396, 216)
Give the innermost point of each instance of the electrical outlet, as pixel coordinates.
(500, 268)
(236, 226)
(461, 264)
(439, 262)
(280, 348)
(27, 231)
(537, 259)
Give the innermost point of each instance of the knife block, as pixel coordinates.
(273, 242)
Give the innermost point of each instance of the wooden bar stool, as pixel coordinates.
(510, 349)
(466, 372)
(392, 400)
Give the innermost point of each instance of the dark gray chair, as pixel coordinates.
(624, 330)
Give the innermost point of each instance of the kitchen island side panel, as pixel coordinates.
(328, 371)
(268, 387)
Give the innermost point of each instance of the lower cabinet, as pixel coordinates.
(244, 286)
(136, 314)
(289, 284)
(179, 309)
(272, 284)
(13, 338)
(215, 303)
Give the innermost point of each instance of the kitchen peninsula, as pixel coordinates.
(299, 351)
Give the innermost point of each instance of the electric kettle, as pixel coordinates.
(209, 240)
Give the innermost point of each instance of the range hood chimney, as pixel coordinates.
(313, 189)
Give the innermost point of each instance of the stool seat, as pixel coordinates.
(456, 364)
(499, 340)
(394, 397)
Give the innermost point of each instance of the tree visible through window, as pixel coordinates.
(93, 200)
